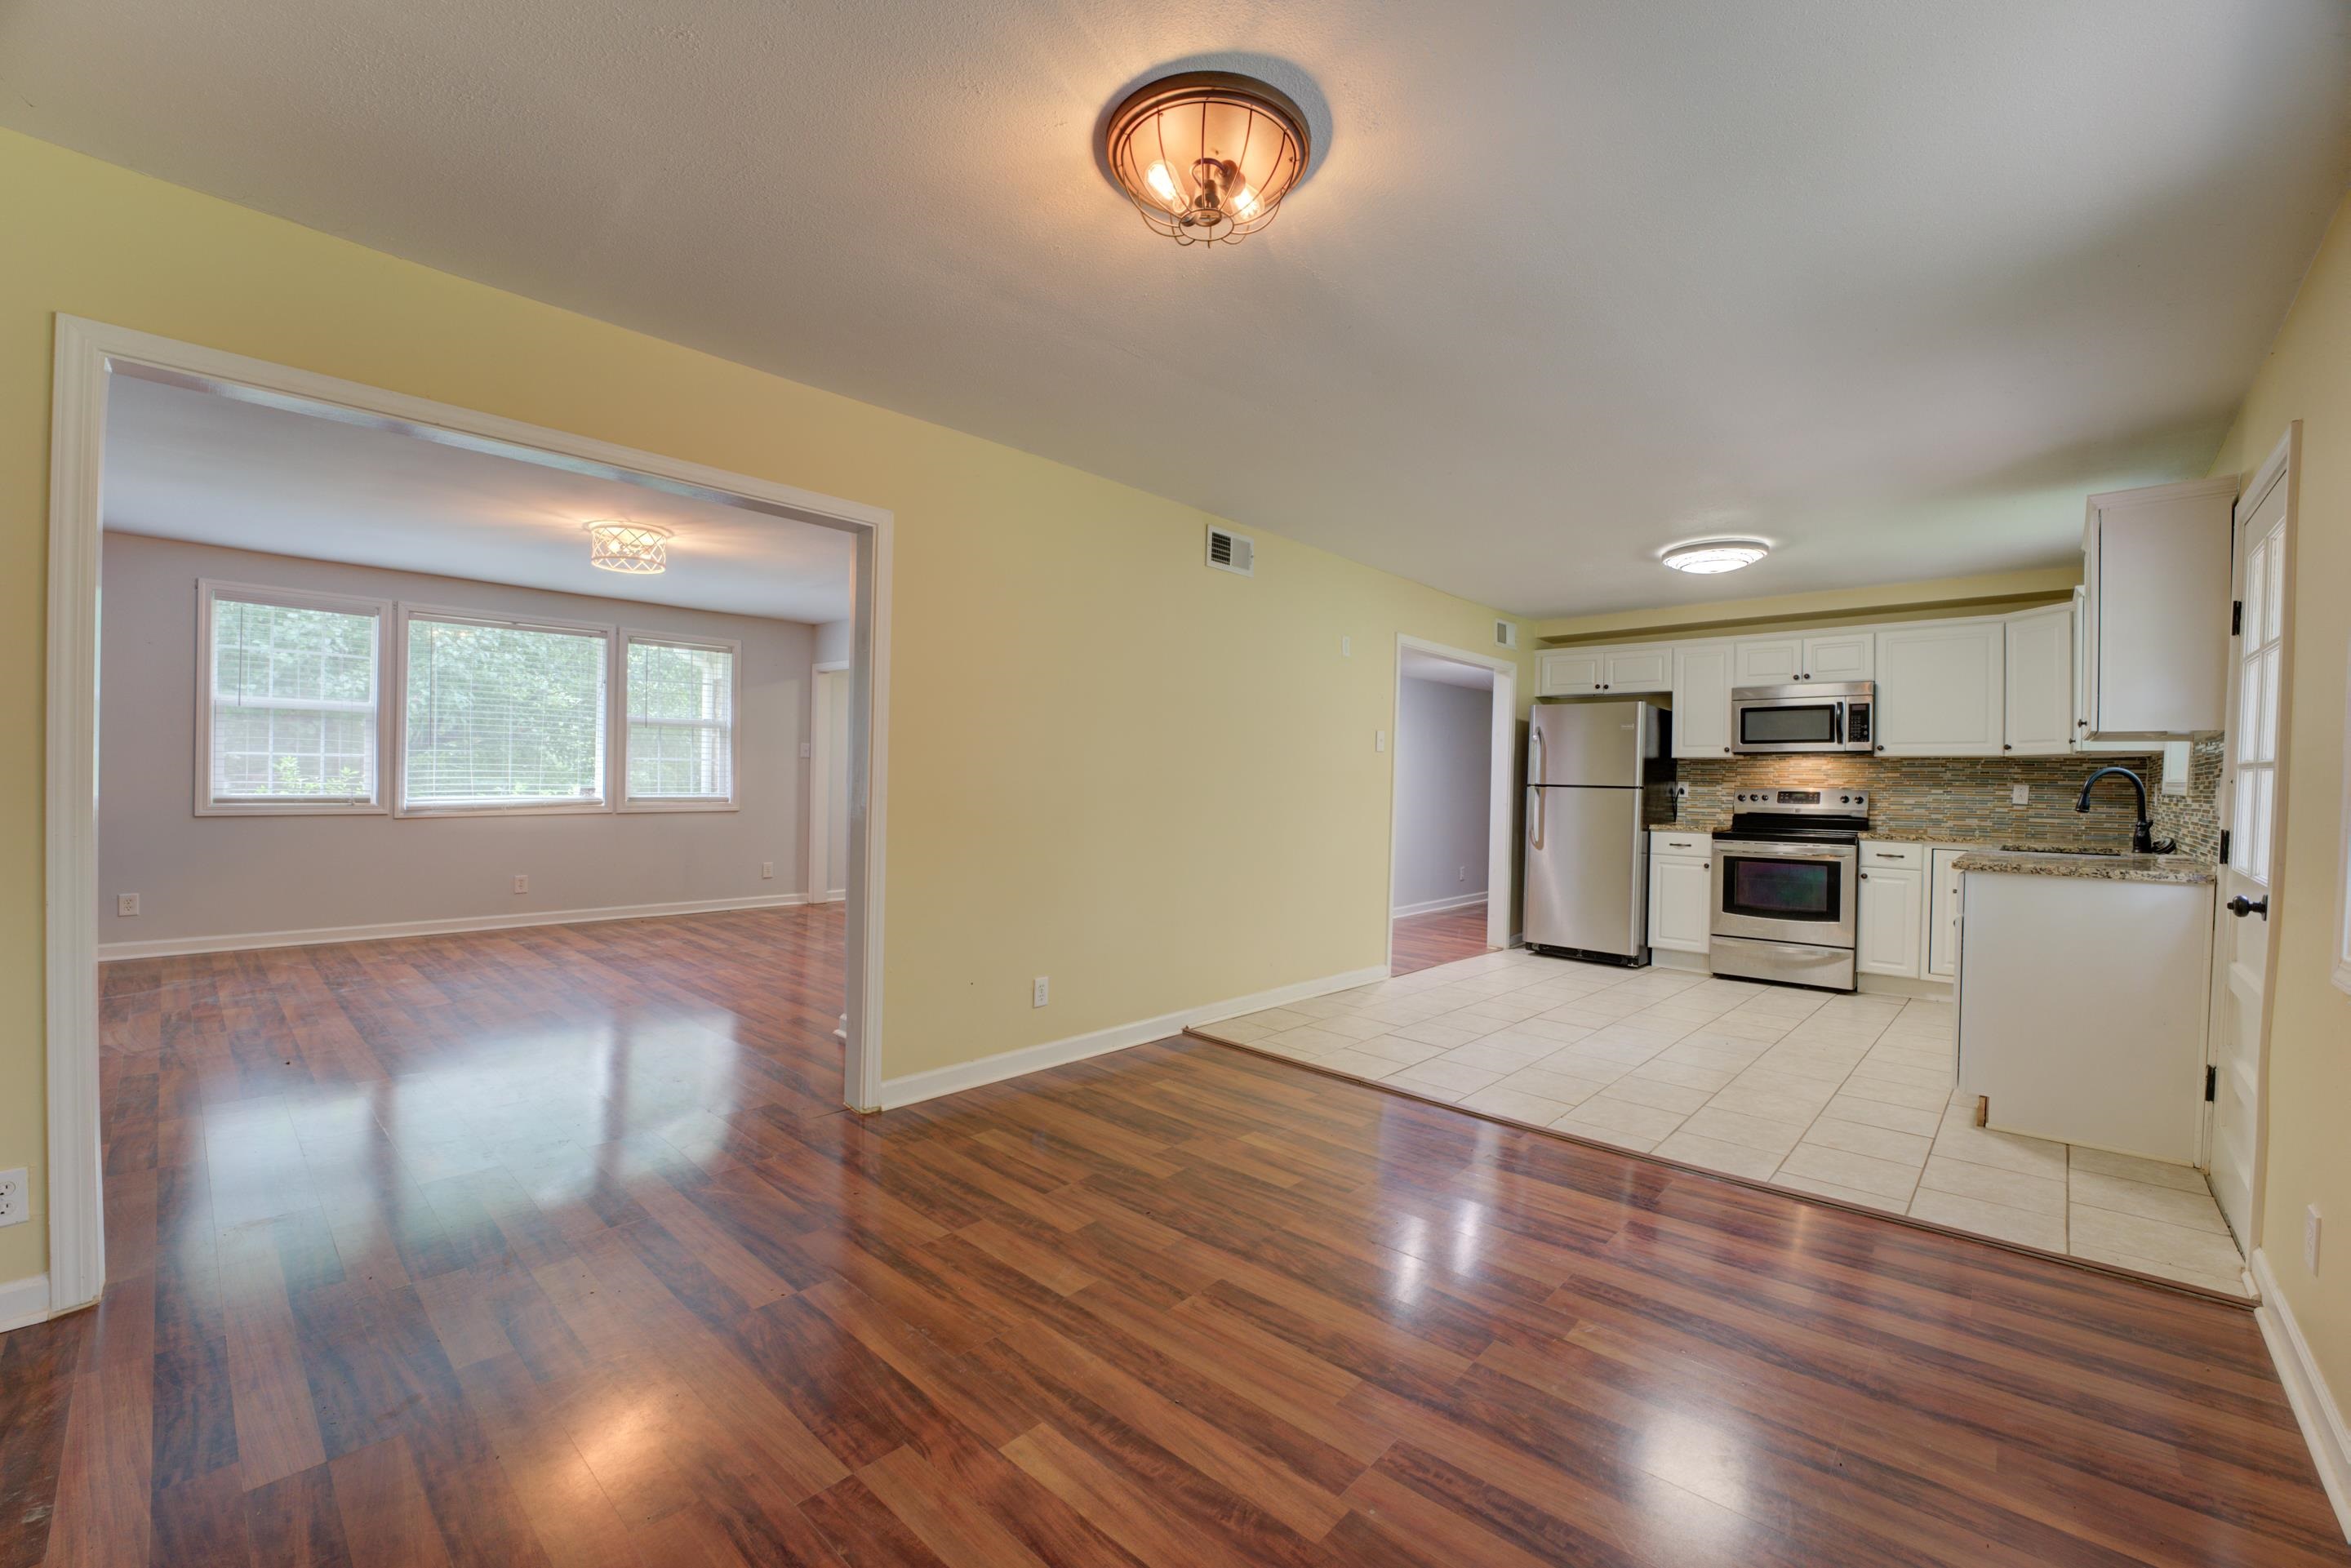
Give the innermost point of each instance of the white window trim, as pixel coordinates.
(401, 805)
(209, 592)
(619, 766)
(2342, 976)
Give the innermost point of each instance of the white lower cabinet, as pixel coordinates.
(1892, 918)
(1681, 891)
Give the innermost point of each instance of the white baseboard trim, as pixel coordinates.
(1436, 904)
(833, 895)
(173, 946)
(24, 1302)
(2306, 1391)
(919, 1086)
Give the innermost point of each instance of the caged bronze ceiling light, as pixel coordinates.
(1206, 155)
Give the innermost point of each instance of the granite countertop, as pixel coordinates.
(2184, 869)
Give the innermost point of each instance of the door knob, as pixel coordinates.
(2241, 906)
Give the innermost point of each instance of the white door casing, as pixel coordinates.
(2252, 814)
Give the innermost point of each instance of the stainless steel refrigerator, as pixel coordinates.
(1590, 767)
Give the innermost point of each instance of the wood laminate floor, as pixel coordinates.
(548, 1247)
(1418, 942)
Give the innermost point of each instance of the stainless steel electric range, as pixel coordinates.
(1786, 883)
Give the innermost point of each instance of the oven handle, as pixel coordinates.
(1844, 854)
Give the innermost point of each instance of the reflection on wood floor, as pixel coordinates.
(549, 1246)
(1418, 942)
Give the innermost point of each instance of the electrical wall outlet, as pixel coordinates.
(1379, 740)
(767, 869)
(126, 904)
(2020, 794)
(522, 882)
(16, 1203)
(2310, 1239)
(807, 748)
(1346, 647)
(1040, 990)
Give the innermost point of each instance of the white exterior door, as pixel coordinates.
(1702, 699)
(2249, 813)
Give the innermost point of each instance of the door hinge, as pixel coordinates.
(2224, 846)
(2237, 618)
(2212, 1081)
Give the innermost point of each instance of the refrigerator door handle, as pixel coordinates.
(1534, 817)
(1535, 755)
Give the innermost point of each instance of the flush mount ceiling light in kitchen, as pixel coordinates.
(1206, 155)
(1706, 557)
(639, 548)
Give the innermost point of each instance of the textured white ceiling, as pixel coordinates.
(188, 465)
(1890, 283)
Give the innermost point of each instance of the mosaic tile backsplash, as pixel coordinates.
(1966, 799)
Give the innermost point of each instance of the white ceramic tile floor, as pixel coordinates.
(1849, 1097)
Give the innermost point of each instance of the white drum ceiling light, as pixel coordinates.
(639, 548)
(1706, 557)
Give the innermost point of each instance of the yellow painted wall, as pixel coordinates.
(1108, 764)
(2308, 376)
(1828, 607)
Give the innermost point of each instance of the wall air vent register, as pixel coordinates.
(1229, 551)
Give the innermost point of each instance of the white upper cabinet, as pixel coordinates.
(1847, 656)
(2038, 700)
(2155, 632)
(1579, 672)
(1647, 668)
(1768, 660)
(1568, 672)
(1941, 688)
(1702, 685)
(1786, 661)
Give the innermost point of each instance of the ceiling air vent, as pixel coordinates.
(1506, 635)
(1228, 551)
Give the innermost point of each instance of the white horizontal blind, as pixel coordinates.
(681, 734)
(503, 716)
(293, 703)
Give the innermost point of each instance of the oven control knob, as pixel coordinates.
(1846, 800)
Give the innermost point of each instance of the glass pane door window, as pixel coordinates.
(1772, 889)
(2259, 653)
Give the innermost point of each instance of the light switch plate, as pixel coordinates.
(1379, 740)
(2020, 794)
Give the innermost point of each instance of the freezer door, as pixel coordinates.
(1586, 878)
(1589, 742)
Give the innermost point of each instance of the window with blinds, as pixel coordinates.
(291, 714)
(680, 734)
(503, 714)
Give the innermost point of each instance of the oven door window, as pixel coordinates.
(1798, 724)
(1770, 888)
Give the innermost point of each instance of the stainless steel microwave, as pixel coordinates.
(1811, 716)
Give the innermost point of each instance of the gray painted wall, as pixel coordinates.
(1444, 759)
(202, 877)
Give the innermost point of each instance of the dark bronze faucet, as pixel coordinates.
(2143, 838)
